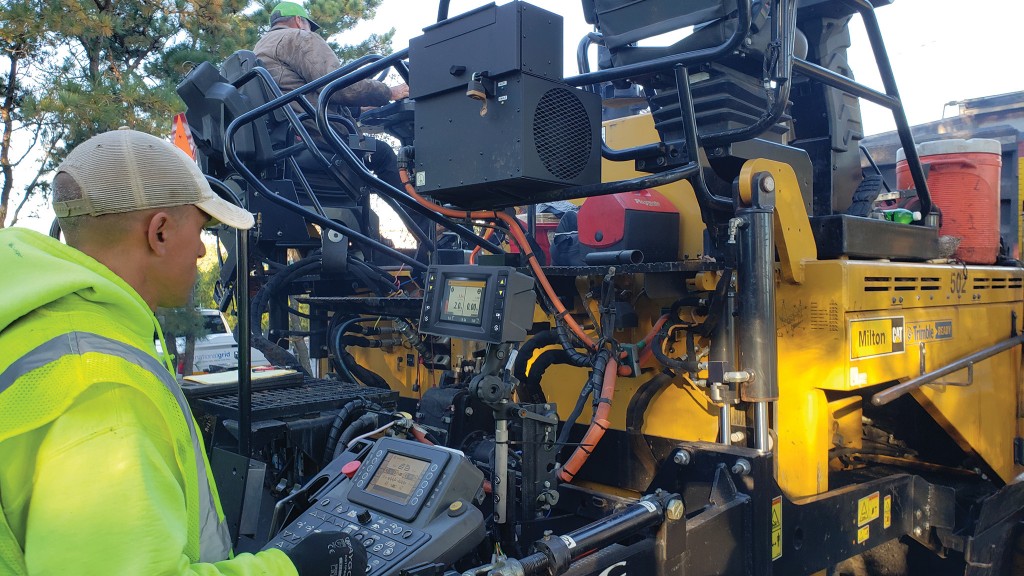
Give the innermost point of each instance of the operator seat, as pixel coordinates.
(728, 93)
(214, 99)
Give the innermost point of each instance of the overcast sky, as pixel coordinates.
(941, 51)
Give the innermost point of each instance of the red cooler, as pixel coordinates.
(963, 180)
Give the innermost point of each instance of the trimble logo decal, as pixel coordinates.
(876, 337)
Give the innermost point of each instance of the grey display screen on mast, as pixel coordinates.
(484, 303)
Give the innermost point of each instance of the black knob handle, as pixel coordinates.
(363, 517)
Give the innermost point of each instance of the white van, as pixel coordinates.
(218, 350)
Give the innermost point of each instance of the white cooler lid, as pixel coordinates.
(955, 146)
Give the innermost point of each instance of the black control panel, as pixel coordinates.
(485, 303)
(408, 503)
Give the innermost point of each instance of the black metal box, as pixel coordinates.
(533, 133)
(514, 37)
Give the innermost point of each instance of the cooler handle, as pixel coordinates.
(949, 162)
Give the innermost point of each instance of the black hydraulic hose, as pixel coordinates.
(531, 389)
(405, 155)
(783, 33)
(421, 236)
(276, 354)
(361, 425)
(592, 386)
(341, 420)
(631, 185)
(368, 377)
(527, 350)
(575, 357)
(656, 348)
(339, 349)
(867, 155)
(635, 415)
(346, 154)
(705, 197)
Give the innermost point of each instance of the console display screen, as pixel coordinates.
(463, 300)
(397, 478)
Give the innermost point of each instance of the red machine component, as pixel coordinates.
(643, 220)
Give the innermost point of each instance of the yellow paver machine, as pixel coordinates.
(664, 317)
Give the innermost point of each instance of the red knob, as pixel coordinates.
(350, 469)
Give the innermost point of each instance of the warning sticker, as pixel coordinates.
(776, 527)
(876, 337)
(887, 512)
(867, 509)
(569, 542)
(863, 533)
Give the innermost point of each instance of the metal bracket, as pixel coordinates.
(924, 370)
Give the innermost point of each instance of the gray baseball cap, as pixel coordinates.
(126, 170)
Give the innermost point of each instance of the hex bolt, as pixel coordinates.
(682, 458)
(674, 510)
(741, 467)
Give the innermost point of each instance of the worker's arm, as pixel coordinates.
(316, 58)
(109, 496)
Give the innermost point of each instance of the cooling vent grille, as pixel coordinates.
(927, 283)
(561, 131)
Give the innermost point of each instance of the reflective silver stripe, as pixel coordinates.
(40, 356)
(214, 539)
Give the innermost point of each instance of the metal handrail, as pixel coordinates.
(348, 156)
(685, 58)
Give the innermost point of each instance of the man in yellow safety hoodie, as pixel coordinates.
(102, 468)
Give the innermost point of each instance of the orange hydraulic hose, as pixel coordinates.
(420, 436)
(647, 352)
(487, 236)
(598, 425)
(524, 247)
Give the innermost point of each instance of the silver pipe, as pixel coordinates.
(725, 424)
(761, 439)
(723, 348)
(500, 487)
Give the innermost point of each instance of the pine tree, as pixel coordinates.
(70, 69)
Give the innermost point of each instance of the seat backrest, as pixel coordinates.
(212, 104)
(241, 63)
(624, 22)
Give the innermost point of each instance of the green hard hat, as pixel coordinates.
(289, 9)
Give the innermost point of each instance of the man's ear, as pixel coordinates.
(159, 229)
